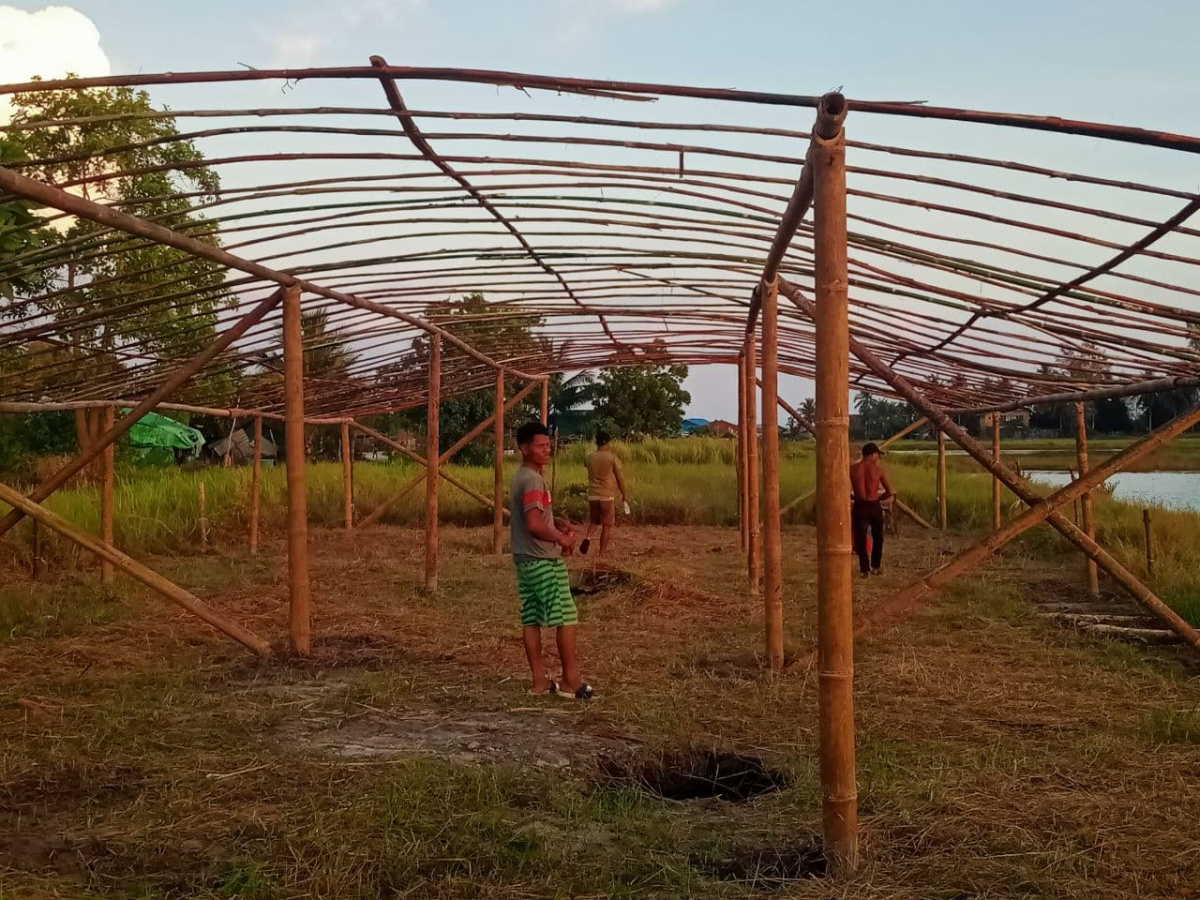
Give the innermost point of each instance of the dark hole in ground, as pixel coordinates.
(766, 868)
(699, 776)
(593, 580)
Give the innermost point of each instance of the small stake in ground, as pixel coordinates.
(203, 506)
(1149, 543)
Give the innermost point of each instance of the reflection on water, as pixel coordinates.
(1174, 490)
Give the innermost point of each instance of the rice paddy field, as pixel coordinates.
(1000, 756)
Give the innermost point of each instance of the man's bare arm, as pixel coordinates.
(542, 528)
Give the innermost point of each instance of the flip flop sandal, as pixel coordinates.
(584, 545)
(552, 689)
(585, 692)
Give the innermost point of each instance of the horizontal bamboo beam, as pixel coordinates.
(24, 407)
(134, 569)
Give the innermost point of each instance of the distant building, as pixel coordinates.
(720, 428)
(1013, 420)
(692, 426)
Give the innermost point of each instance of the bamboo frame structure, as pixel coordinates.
(1091, 573)
(299, 616)
(943, 518)
(433, 435)
(107, 498)
(772, 547)
(753, 470)
(835, 674)
(997, 507)
(743, 519)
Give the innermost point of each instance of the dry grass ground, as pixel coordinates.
(144, 756)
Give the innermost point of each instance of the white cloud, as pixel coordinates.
(321, 26)
(642, 6)
(50, 43)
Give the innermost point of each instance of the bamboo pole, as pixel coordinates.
(997, 510)
(203, 515)
(743, 523)
(1149, 543)
(300, 623)
(938, 417)
(133, 568)
(462, 442)
(943, 519)
(835, 623)
(256, 484)
(347, 479)
(36, 544)
(753, 473)
(772, 548)
(432, 454)
(498, 512)
(176, 380)
(912, 513)
(1085, 500)
(106, 496)
(546, 401)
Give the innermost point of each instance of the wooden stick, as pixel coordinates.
(347, 479)
(136, 570)
(177, 379)
(743, 522)
(912, 513)
(498, 512)
(997, 510)
(300, 622)
(546, 401)
(772, 549)
(1149, 543)
(1091, 573)
(835, 623)
(379, 512)
(203, 515)
(943, 519)
(256, 484)
(106, 496)
(753, 473)
(432, 454)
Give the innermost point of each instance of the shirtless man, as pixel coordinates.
(866, 478)
(605, 478)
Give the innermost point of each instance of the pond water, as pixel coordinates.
(1174, 490)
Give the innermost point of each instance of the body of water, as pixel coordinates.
(1174, 490)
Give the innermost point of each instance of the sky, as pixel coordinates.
(1100, 60)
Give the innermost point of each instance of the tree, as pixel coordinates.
(879, 418)
(20, 231)
(568, 398)
(159, 299)
(647, 401)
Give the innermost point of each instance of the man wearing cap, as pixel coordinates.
(866, 479)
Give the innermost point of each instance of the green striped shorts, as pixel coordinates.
(545, 590)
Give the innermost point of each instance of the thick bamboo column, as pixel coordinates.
(432, 440)
(753, 472)
(1081, 445)
(347, 478)
(106, 496)
(256, 485)
(943, 519)
(498, 512)
(997, 511)
(772, 547)
(300, 624)
(133, 568)
(743, 518)
(546, 402)
(835, 616)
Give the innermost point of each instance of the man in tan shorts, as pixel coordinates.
(604, 480)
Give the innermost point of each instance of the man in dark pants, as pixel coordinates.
(866, 479)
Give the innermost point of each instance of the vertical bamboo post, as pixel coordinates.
(256, 484)
(835, 621)
(107, 495)
(300, 622)
(997, 511)
(498, 495)
(37, 551)
(753, 473)
(743, 524)
(546, 402)
(772, 549)
(432, 451)
(1089, 528)
(347, 478)
(943, 518)
(1149, 543)
(203, 517)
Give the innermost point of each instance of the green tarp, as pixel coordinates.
(153, 430)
